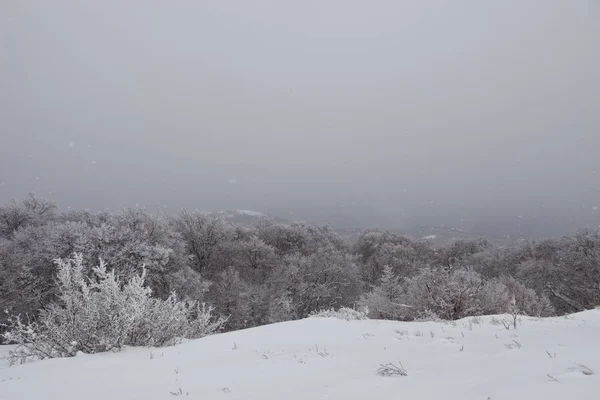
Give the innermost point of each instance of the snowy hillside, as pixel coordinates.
(553, 358)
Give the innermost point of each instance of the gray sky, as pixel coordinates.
(386, 111)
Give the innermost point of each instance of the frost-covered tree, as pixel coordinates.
(376, 249)
(202, 236)
(124, 240)
(103, 313)
(300, 238)
(451, 294)
(456, 252)
(250, 256)
(32, 211)
(385, 301)
(566, 270)
(526, 300)
(229, 293)
(280, 308)
(494, 262)
(463, 292)
(326, 279)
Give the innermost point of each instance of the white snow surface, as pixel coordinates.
(325, 358)
(250, 213)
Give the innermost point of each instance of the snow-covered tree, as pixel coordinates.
(457, 251)
(453, 294)
(376, 249)
(385, 301)
(326, 279)
(230, 296)
(202, 236)
(526, 300)
(31, 211)
(103, 313)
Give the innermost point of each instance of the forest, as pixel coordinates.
(269, 271)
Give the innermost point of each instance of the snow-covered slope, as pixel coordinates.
(334, 359)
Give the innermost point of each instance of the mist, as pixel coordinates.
(390, 113)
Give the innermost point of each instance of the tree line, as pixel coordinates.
(268, 271)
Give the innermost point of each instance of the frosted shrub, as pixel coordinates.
(454, 294)
(463, 292)
(102, 314)
(345, 313)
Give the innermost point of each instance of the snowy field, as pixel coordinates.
(552, 358)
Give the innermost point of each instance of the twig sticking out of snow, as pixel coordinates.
(506, 323)
(400, 334)
(584, 369)
(514, 345)
(323, 354)
(391, 370)
(179, 393)
(367, 335)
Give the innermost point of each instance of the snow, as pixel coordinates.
(250, 213)
(325, 358)
(429, 237)
(4, 350)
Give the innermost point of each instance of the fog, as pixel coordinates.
(355, 113)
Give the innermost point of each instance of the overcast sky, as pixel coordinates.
(379, 110)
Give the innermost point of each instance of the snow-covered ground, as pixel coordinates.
(251, 213)
(553, 358)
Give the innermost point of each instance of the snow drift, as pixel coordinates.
(327, 358)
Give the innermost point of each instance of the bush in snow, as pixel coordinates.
(345, 313)
(454, 294)
(463, 292)
(102, 314)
